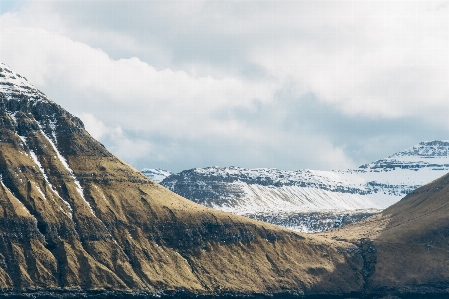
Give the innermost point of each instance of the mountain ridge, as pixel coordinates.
(286, 197)
(408, 241)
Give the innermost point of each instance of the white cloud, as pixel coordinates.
(97, 128)
(379, 59)
(156, 81)
(126, 93)
(374, 58)
(48, 59)
(126, 148)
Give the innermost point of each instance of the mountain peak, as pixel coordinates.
(426, 149)
(12, 83)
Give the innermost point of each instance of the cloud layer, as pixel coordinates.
(306, 84)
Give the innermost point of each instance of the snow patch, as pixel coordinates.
(15, 198)
(63, 161)
(39, 165)
(40, 191)
(156, 174)
(12, 83)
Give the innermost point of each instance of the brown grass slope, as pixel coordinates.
(407, 245)
(121, 231)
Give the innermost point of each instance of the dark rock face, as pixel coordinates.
(188, 295)
(369, 255)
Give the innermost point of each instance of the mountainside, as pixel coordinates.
(73, 217)
(407, 244)
(311, 200)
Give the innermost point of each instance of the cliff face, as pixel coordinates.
(73, 216)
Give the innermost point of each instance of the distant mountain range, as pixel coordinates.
(311, 200)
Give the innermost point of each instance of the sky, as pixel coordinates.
(279, 84)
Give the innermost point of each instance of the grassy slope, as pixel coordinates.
(410, 241)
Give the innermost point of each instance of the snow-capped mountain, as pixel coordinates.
(156, 174)
(12, 84)
(265, 193)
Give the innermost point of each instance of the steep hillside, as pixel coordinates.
(74, 217)
(407, 244)
(311, 200)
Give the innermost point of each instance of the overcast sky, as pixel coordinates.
(284, 84)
